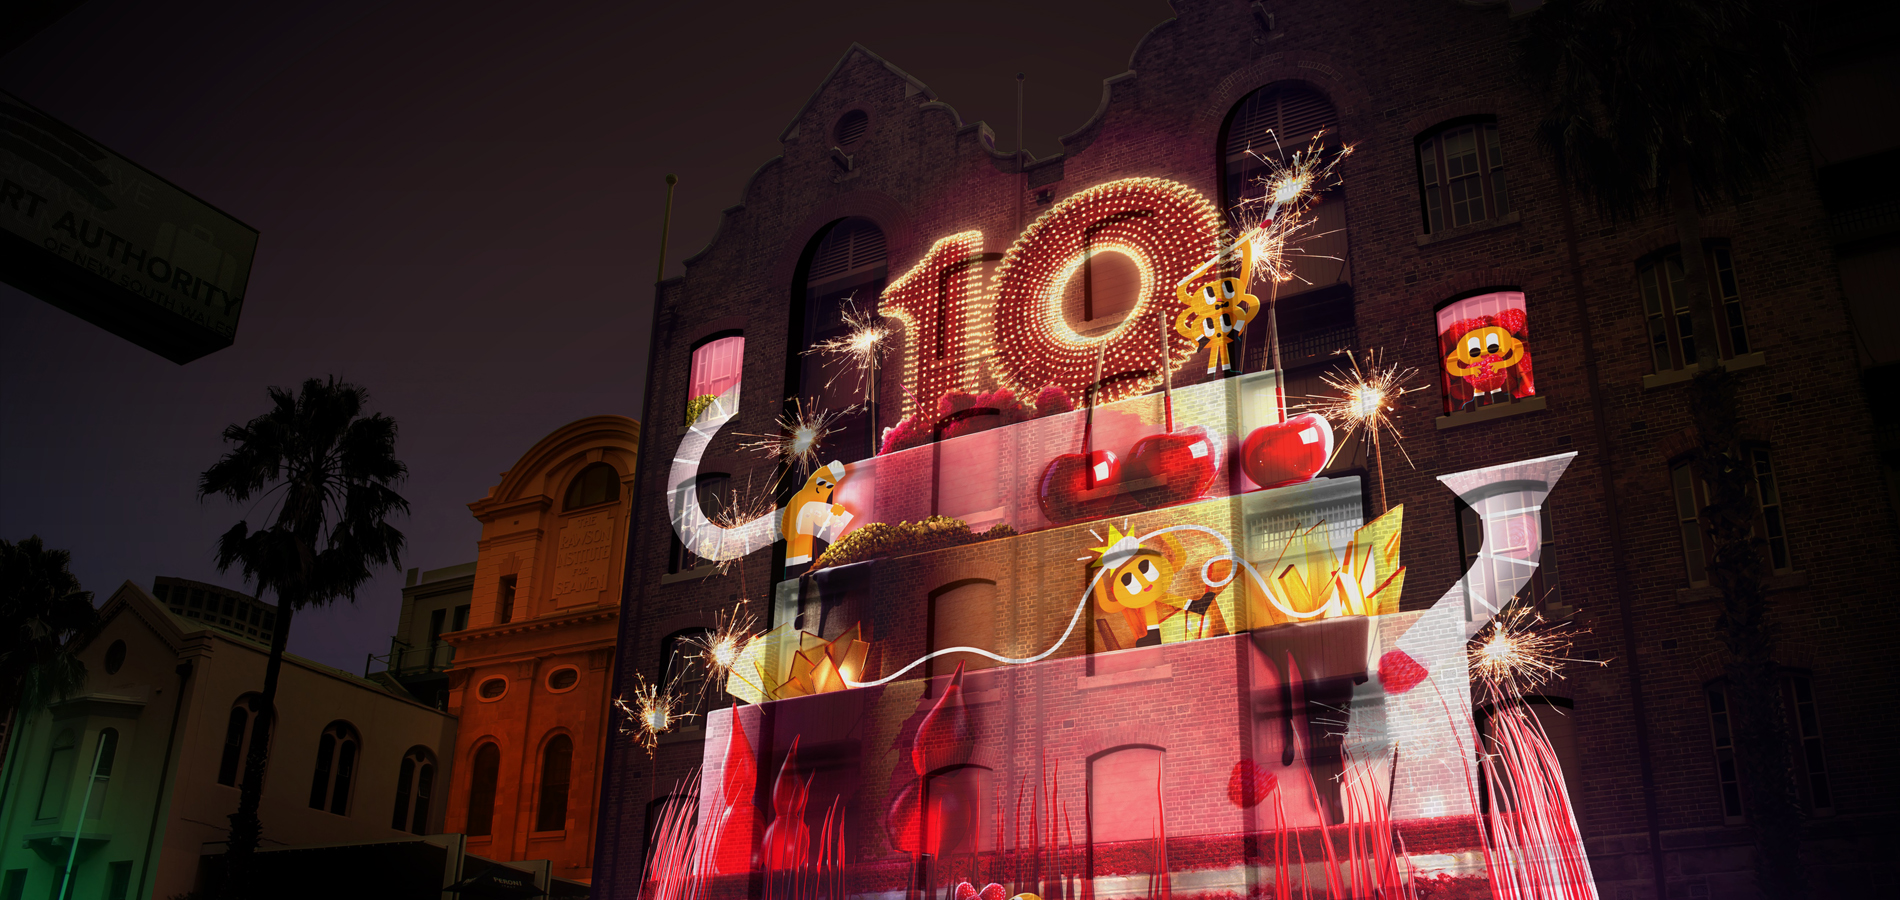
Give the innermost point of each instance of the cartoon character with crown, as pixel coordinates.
(1150, 595)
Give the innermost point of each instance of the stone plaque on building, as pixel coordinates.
(581, 561)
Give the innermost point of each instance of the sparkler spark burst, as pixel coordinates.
(1519, 651)
(1365, 399)
(862, 344)
(801, 435)
(654, 709)
(722, 647)
(1276, 222)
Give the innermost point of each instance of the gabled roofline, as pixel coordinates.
(855, 47)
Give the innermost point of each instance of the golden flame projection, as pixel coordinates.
(785, 663)
(1308, 582)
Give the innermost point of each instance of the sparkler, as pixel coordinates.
(722, 647)
(801, 435)
(1365, 400)
(862, 344)
(654, 710)
(1275, 222)
(1518, 651)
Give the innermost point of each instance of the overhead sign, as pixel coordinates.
(97, 235)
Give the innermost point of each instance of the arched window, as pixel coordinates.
(237, 739)
(481, 790)
(1271, 124)
(336, 767)
(415, 785)
(963, 614)
(718, 363)
(1461, 175)
(59, 775)
(845, 273)
(598, 483)
(1669, 318)
(960, 812)
(557, 760)
(1125, 791)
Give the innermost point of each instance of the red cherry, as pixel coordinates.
(1287, 452)
(1399, 672)
(1250, 784)
(1182, 464)
(1074, 489)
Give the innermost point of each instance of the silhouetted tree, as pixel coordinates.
(330, 470)
(42, 611)
(1663, 105)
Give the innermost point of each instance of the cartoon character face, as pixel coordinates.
(1141, 580)
(1484, 351)
(1218, 311)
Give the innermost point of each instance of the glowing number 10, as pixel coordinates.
(1167, 228)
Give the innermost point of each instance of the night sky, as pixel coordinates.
(459, 207)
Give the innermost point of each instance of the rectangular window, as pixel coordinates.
(1769, 527)
(1484, 351)
(1726, 777)
(13, 885)
(1692, 496)
(118, 879)
(716, 368)
(713, 497)
(505, 611)
(1810, 759)
(1503, 576)
(1670, 322)
(1461, 176)
(1689, 520)
(461, 618)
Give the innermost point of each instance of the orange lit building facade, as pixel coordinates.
(532, 675)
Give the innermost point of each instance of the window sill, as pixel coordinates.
(1678, 376)
(1785, 581)
(1495, 411)
(693, 574)
(1452, 234)
(548, 835)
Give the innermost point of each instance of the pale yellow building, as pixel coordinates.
(160, 730)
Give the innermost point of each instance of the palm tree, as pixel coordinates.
(1666, 105)
(329, 469)
(42, 611)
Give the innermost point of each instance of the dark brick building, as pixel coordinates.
(1446, 205)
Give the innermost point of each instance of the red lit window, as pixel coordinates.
(716, 366)
(1484, 351)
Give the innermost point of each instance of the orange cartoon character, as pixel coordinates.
(1150, 595)
(1217, 313)
(811, 514)
(1490, 354)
